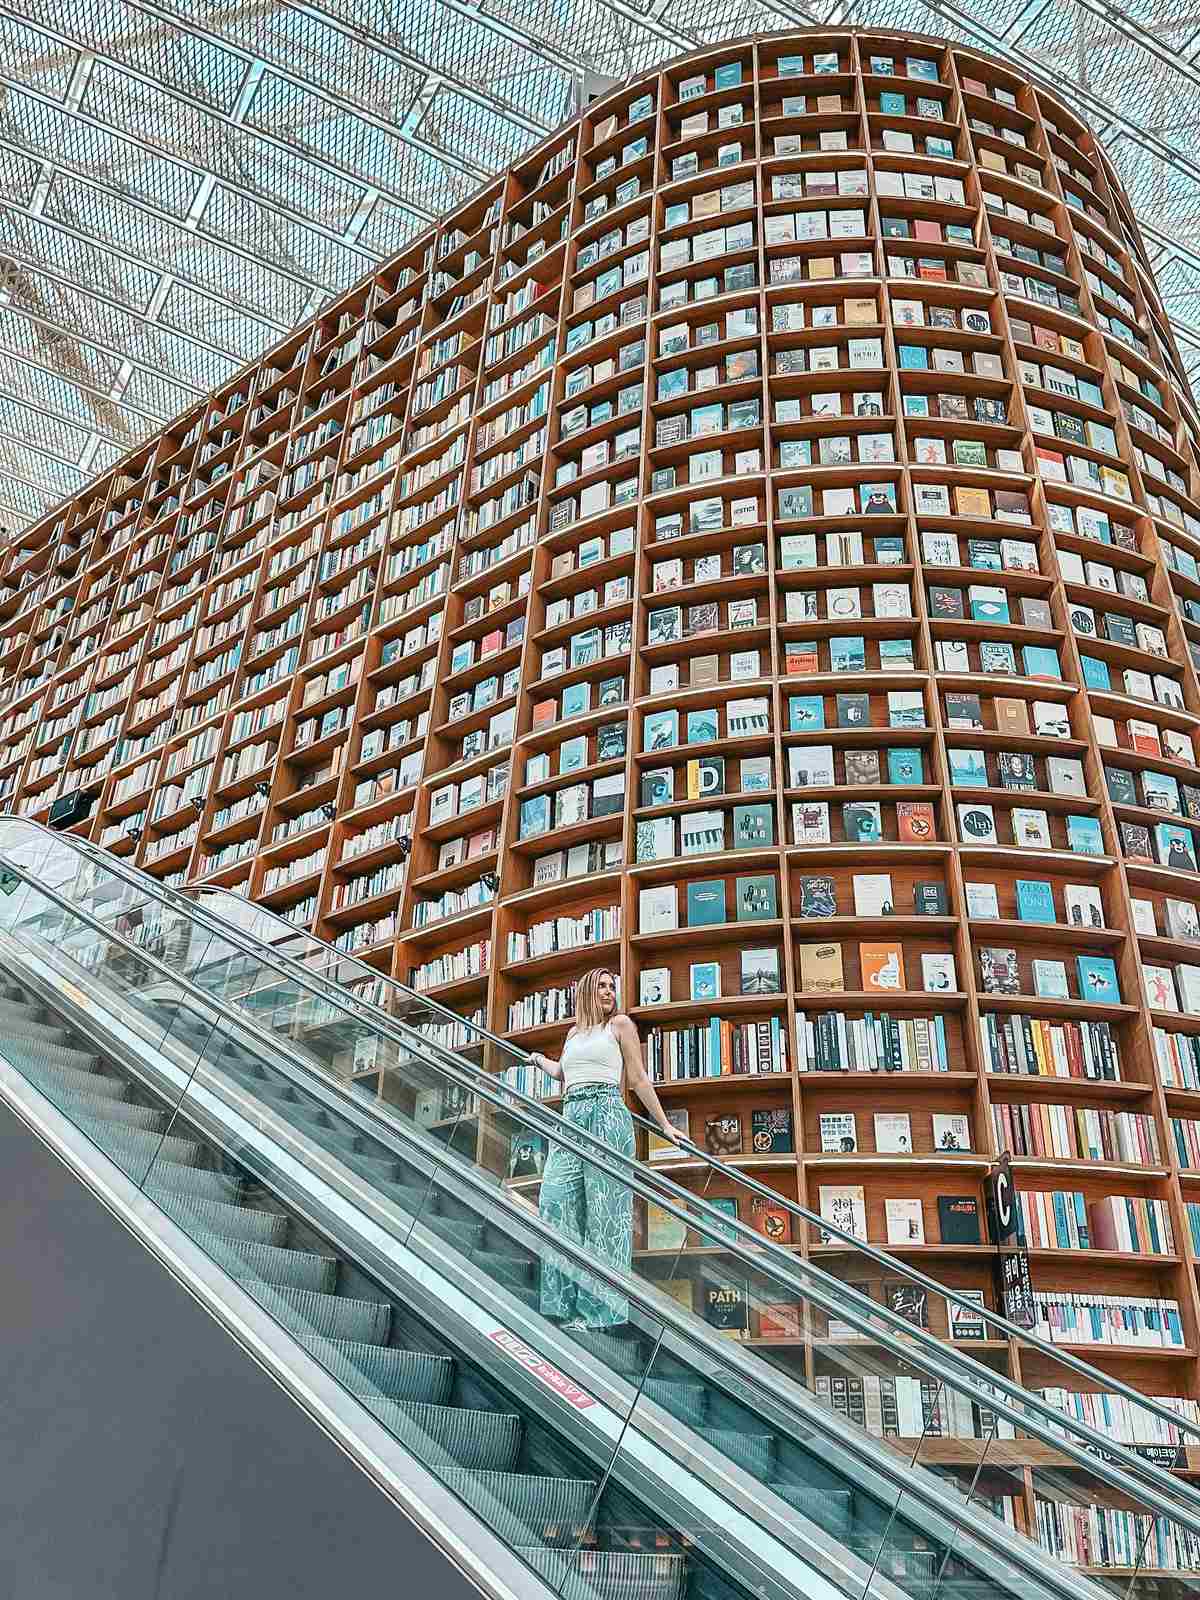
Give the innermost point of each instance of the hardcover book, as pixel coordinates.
(958, 1219)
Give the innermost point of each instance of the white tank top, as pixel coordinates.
(593, 1056)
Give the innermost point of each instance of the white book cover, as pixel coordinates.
(844, 1206)
(893, 1133)
(839, 1133)
(658, 909)
(873, 895)
(654, 986)
(905, 1221)
(951, 1131)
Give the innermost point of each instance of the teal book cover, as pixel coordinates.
(806, 713)
(756, 898)
(705, 902)
(968, 769)
(1084, 836)
(1041, 661)
(1035, 900)
(893, 104)
(1095, 672)
(753, 827)
(905, 766)
(1098, 979)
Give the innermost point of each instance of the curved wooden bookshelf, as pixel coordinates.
(754, 543)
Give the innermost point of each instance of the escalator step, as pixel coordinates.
(610, 1574)
(392, 1374)
(622, 1355)
(517, 1272)
(831, 1509)
(464, 1236)
(269, 1263)
(24, 1022)
(137, 1148)
(518, 1506)
(50, 1054)
(122, 1111)
(452, 1436)
(327, 1316)
(73, 1081)
(193, 1183)
(753, 1451)
(686, 1401)
(231, 1222)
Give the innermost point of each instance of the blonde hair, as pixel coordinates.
(587, 998)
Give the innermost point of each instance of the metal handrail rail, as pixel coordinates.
(994, 1535)
(793, 1269)
(737, 1175)
(1001, 1534)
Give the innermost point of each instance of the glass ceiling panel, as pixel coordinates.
(184, 180)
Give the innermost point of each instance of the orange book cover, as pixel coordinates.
(772, 1219)
(544, 713)
(914, 821)
(932, 271)
(882, 966)
(779, 1321)
(972, 502)
(726, 1048)
(800, 660)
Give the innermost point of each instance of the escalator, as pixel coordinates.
(282, 1128)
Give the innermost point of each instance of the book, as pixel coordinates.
(705, 980)
(726, 1307)
(882, 967)
(527, 1154)
(844, 1206)
(965, 1324)
(771, 1218)
(661, 1149)
(663, 1231)
(820, 967)
(723, 1135)
(951, 1131)
(760, 971)
(958, 1219)
(938, 975)
(839, 1134)
(771, 1131)
(999, 971)
(893, 1133)
(1097, 978)
(905, 1221)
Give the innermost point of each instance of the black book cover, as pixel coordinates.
(958, 1218)
(771, 1132)
(929, 899)
(1121, 787)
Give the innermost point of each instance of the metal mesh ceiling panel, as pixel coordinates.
(181, 181)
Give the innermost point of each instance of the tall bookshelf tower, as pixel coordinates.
(751, 544)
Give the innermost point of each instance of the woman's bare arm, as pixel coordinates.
(639, 1079)
(548, 1064)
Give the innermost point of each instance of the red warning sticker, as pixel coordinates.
(541, 1369)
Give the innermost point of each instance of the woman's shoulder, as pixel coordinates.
(622, 1023)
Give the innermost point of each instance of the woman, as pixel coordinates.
(578, 1197)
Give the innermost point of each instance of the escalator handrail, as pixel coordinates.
(783, 1263)
(994, 1535)
(744, 1180)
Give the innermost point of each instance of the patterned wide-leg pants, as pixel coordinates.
(590, 1208)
